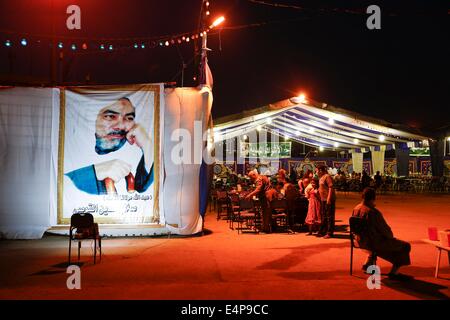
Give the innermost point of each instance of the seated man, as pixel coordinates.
(275, 192)
(379, 237)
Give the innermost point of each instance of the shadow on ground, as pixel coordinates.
(417, 288)
(298, 255)
(56, 269)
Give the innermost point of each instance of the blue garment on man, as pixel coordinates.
(85, 179)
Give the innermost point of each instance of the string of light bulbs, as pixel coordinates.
(75, 44)
(111, 44)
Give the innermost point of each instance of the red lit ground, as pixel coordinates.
(225, 265)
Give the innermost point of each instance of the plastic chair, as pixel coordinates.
(280, 207)
(247, 213)
(234, 209)
(223, 204)
(86, 229)
(358, 226)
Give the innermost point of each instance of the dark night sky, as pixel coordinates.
(399, 73)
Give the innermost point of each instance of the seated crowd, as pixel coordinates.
(317, 193)
(311, 200)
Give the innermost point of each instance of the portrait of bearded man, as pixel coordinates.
(116, 132)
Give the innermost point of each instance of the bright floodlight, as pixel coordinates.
(331, 121)
(336, 144)
(448, 139)
(302, 98)
(269, 120)
(355, 141)
(259, 128)
(321, 149)
(381, 138)
(311, 130)
(218, 21)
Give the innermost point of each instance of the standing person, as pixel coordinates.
(293, 175)
(288, 188)
(282, 176)
(302, 184)
(379, 237)
(328, 202)
(378, 180)
(299, 176)
(262, 186)
(365, 180)
(313, 218)
(305, 181)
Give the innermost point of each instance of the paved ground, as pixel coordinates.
(225, 265)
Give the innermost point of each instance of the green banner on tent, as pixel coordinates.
(419, 152)
(268, 150)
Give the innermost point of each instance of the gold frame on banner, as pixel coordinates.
(156, 89)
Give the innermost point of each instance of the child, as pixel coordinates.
(313, 218)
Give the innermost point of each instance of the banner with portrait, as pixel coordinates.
(108, 155)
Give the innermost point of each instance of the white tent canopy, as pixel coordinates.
(316, 124)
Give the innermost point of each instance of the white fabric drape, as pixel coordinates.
(25, 156)
(378, 159)
(357, 160)
(29, 123)
(181, 195)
